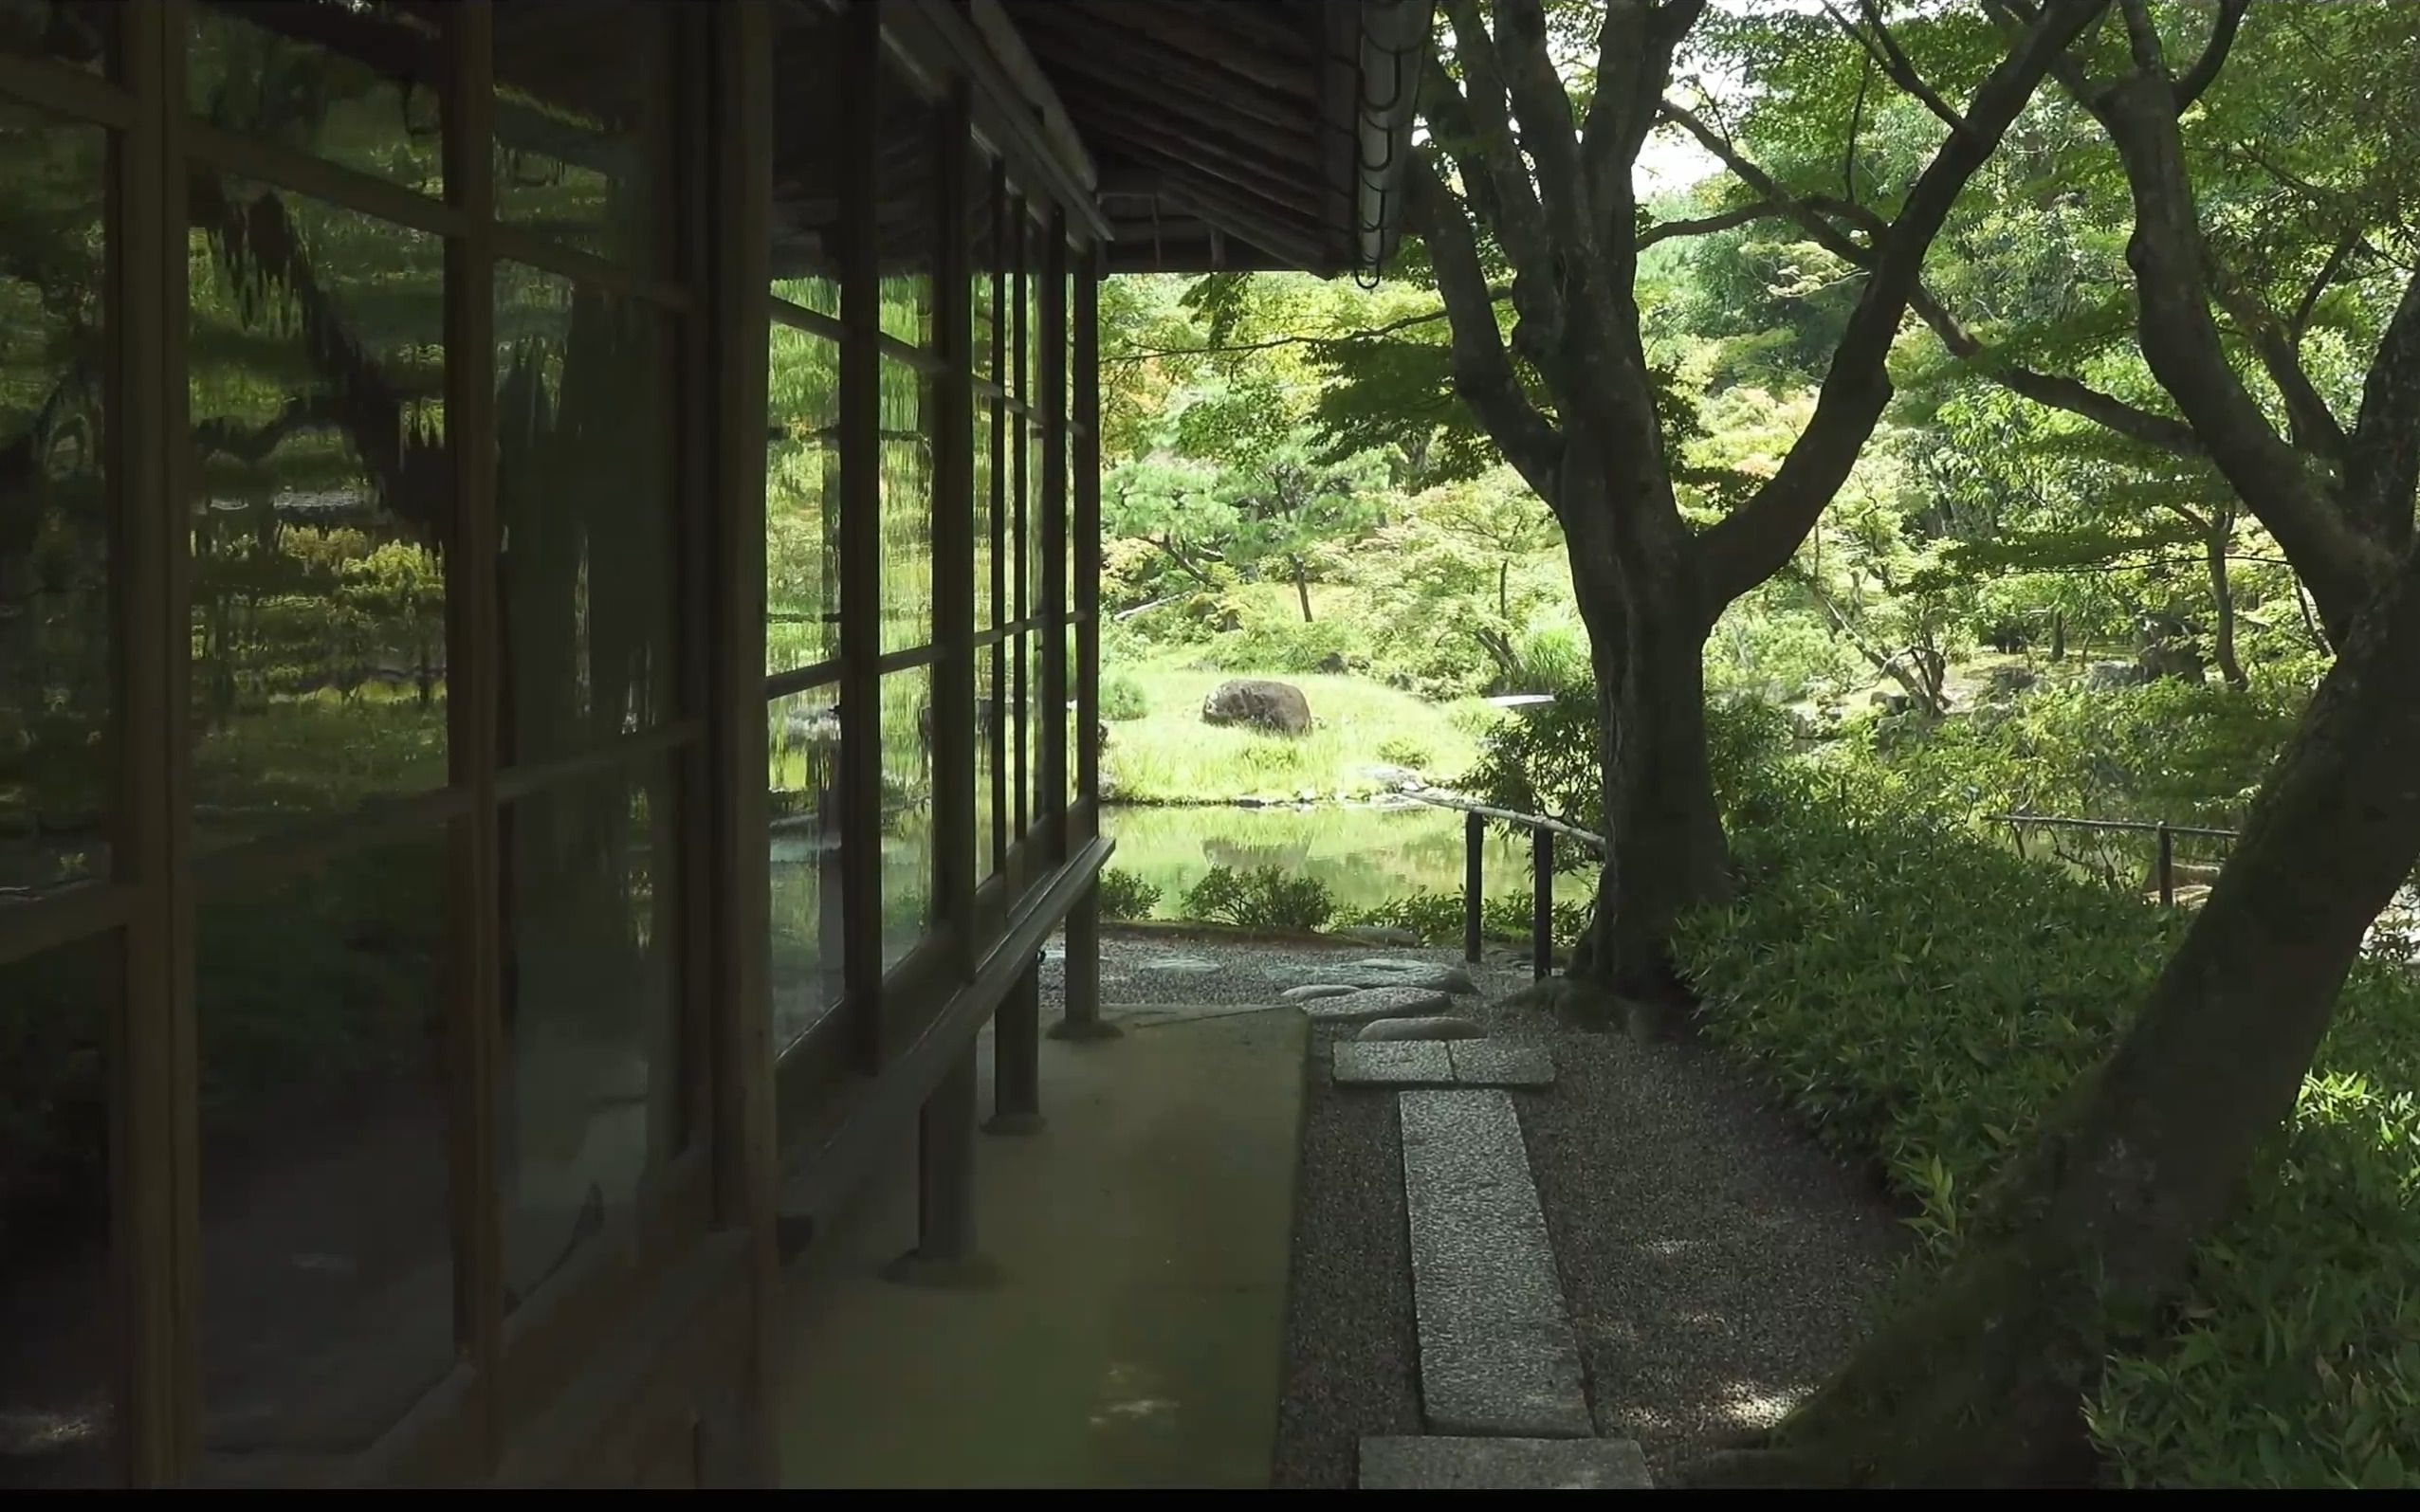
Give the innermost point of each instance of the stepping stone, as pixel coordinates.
(1502, 1464)
(1493, 1063)
(1314, 990)
(1497, 1356)
(1186, 965)
(1387, 970)
(1422, 1062)
(1444, 1026)
(1377, 1002)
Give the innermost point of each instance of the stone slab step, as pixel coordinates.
(1497, 1356)
(1502, 1464)
(1363, 1005)
(1440, 1062)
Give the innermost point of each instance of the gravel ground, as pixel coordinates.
(1716, 1262)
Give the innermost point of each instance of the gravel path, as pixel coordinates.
(1716, 1262)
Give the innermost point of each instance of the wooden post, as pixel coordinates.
(953, 484)
(1541, 903)
(945, 1180)
(737, 961)
(860, 544)
(1474, 841)
(1016, 1049)
(2166, 865)
(1080, 1019)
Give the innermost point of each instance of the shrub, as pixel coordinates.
(1263, 898)
(1124, 895)
(1437, 917)
(1922, 998)
(1122, 698)
(1406, 751)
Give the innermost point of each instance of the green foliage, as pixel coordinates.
(1406, 751)
(1263, 898)
(1923, 998)
(1122, 698)
(1124, 895)
(1437, 917)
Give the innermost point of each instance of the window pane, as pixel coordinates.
(592, 1011)
(1026, 757)
(1029, 312)
(1031, 542)
(58, 1313)
(58, 752)
(906, 810)
(584, 103)
(327, 1266)
(986, 526)
(984, 257)
(907, 507)
(808, 140)
(906, 208)
(802, 501)
(322, 493)
(358, 83)
(585, 493)
(82, 32)
(1038, 718)
(989, 790)
(802, 757)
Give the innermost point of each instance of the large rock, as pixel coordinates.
(1264, 704)
(1313, 991)
(1383, 971)
(1441, 1027)
(1379, 1002)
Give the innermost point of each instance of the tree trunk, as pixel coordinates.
(1980, 1383)
(2059, 635)
(1302, 586)
(1665, 847)
(2222, 532)
(1504, 588)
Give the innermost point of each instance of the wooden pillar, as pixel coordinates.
(860, 544)
(1017, 1050)
(945, 1249)
(738, 932)
(953, 484)
(1081, 1017)
(1055, 691)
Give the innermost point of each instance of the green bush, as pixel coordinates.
(1437, 917)
(1922, 998)
(1124, 895)
(1406, 751)
(1122, 698)
(1263, 898)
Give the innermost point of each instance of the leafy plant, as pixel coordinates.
(1923, 998)
(1406, 751)
(1122, 698)
(1124, 895)
(1263, 898)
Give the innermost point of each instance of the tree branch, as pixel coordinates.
(2382, 461)
(1755, 540)
(2313, 423)
(1707, 225)
(1482, 369)
(2222, 37)
(2335, 552)
(1549, 128)
(2058, 391)
(1884, 49)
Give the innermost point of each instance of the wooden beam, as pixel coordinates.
(1287, 66)
(1139, 130)
(860, 545)
(953, 484)
(735, 960)
(1074, 48)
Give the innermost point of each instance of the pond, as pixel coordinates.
(1365, 855)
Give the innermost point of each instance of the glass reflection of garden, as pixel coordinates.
(322, 522)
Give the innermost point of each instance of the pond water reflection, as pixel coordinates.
(1365, 855)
